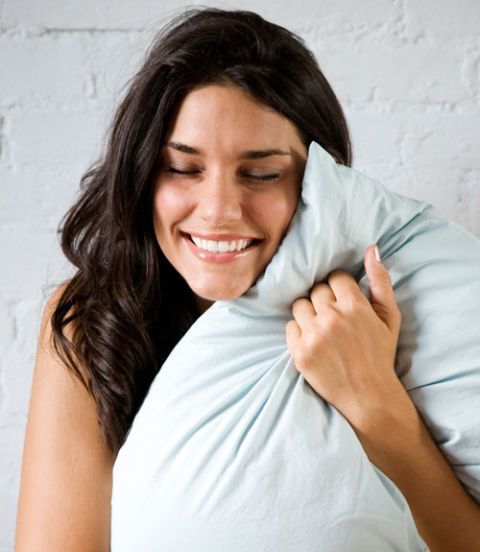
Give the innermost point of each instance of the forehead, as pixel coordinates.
(227, 114)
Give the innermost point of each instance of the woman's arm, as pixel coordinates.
(345, 346)
(65, 488)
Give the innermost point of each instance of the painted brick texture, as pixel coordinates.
(406, 72)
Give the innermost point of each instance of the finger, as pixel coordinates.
(321, 296)
(292, 335)
(344, 286)
(303, 312)
(382, 296)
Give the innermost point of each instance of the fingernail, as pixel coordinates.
(377, 254)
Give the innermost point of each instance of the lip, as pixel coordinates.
(219, 237)
(217, 258)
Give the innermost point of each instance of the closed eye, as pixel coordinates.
(178, 171)
(267, 177)
(263, 176)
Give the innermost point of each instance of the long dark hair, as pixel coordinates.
(128, 306)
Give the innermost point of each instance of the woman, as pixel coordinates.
(206, 153)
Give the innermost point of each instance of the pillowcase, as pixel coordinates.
(233, 450)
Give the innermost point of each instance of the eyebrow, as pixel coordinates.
(249, 154)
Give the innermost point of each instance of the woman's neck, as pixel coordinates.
(203, 304)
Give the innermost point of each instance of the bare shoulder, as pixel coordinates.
(65, 488)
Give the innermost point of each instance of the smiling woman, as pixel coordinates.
(200, 178)
(205, 154)
(220, 208)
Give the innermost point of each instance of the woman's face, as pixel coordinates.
(229, 180)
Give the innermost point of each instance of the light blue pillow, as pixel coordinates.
(233, 450)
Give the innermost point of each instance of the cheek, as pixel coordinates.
(277, 210)
(170, 205)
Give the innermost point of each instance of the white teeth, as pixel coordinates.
(221, 246)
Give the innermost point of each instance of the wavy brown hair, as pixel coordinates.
(128, 306)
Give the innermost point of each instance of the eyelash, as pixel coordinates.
(266, 177)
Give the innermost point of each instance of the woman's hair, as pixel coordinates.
(127, 304)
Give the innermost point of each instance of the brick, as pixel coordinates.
(8, 507)
(447, 139)
(399, 72)
(340, 16)
(37, 186)
(55, 137)
(470, 70)
(327, 18)
(374, 136)
(7, 327)
(438, 186)
(16, 378)
(467, 206)
(87, 14)
(112, 59)
(11, 445)
(407, 74)
(439, 21)
(2, 139)
(42, 69)
(34, 259)
(415, 137)
(19, 359)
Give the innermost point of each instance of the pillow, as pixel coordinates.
(233, 450)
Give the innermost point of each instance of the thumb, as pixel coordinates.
(382, 296)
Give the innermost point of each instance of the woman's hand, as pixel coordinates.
(345, 345)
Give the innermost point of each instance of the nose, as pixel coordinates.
(219, 200)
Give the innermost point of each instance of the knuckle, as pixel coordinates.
(352, 304)
(298, 302)
(331, 319)
(303, 357)
(289, 327)
(335, 273)
(317, 288)
(310, 343)
(296, 306)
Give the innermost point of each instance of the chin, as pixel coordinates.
(219, 294)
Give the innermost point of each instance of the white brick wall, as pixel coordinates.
(407, 73)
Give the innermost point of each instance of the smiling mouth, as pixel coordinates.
(222, 247)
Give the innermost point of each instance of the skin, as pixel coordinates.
(223, 195)
(342, 343)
